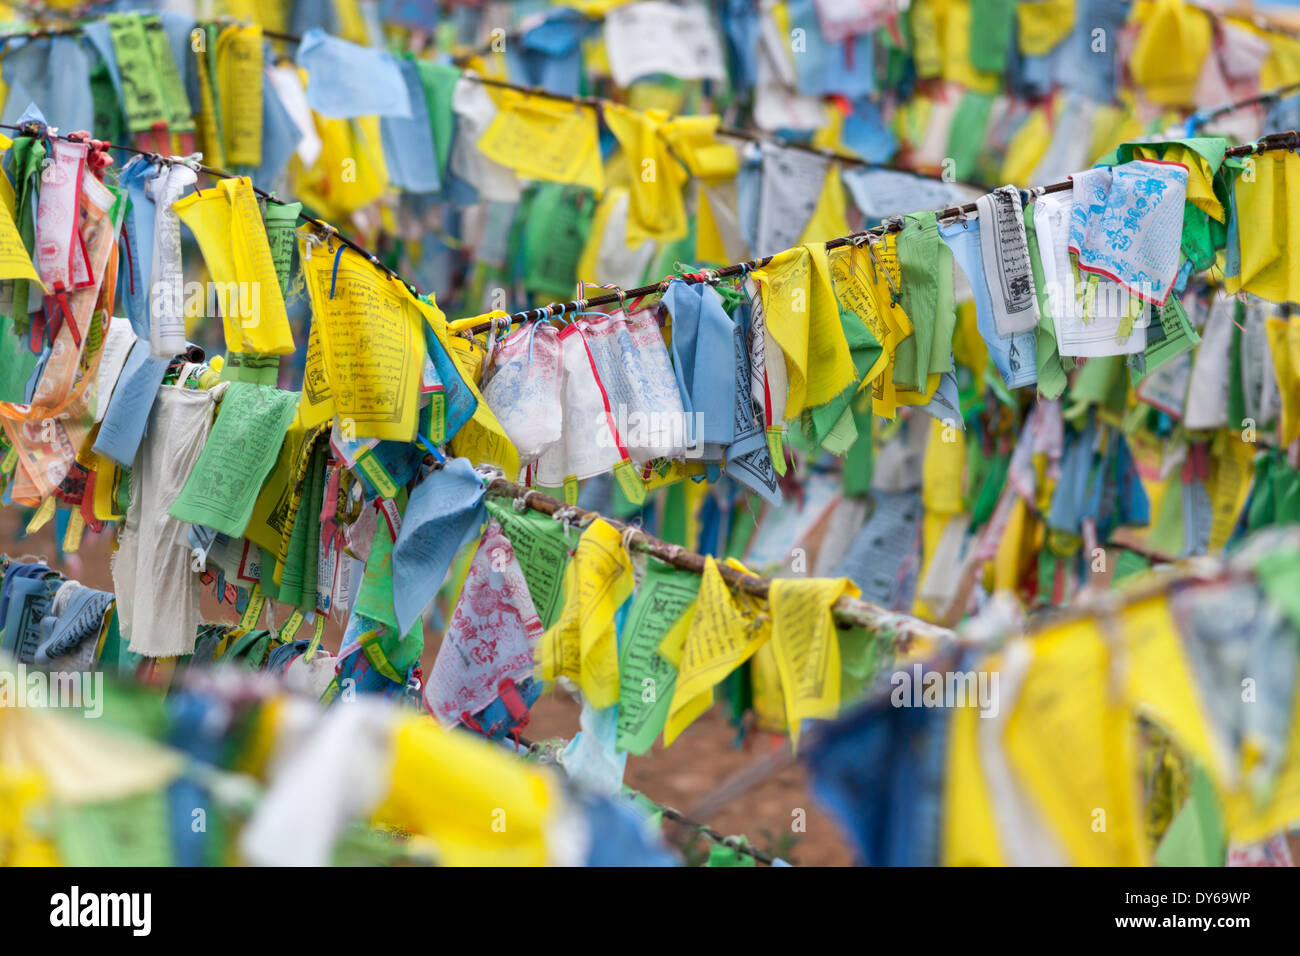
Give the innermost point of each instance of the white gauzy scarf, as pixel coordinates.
(157, 592)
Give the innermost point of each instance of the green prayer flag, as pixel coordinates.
(1197, 835)
(142, 92)
(439, 82)
(1051, 371)
(281, 221)
(122, 832)
(646, 680)
(392, 653)
(543, 552)
(992, 25)
(720, 854)
(175, 102)
(239, 453)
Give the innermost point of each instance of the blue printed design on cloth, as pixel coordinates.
(1127, 225)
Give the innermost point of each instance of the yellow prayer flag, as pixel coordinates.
(927, 54)
(15, 263)
(24, 801)
(714, 164)
(209, 129)
(546, 139)
(769, 697)
(271, 524)
(1170, 50)
(725, 632)
(316, 404)
(371, 340)
(830, 215)
(351, 21)
(239, 89)
(803, 316)
(855, 291)
(1268, 197)
(1044, 24)
(807, 646)
(1011, 548)
(107, 479)
(695, 140)
(1161, 683)
(582, 644)
(349, 174)
(1282, 67)
(886, 277)
(709, 244)
(657, 209)
(970, 826)
(6, 187)
(1071, 744)
(228, 225)
(1231, 473)
(594, 8)
(1027, 147)
(42, 517)
(1284, 344)
(477, 806)
(944, 462)
(955, 32)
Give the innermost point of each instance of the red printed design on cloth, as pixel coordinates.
(492, 634)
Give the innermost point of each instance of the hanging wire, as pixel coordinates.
(1270, 141)
(1281, 140)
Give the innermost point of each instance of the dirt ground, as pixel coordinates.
(704, 756)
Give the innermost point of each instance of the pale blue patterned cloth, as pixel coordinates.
(1013, 355)
(1127, 224)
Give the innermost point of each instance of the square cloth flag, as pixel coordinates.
(345, 80)
(1127, 224)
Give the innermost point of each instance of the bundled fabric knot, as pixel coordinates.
(98, 158)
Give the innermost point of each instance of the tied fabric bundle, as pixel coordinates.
(636, 373)
(524, 388)
(590, 443)
(704, 361)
